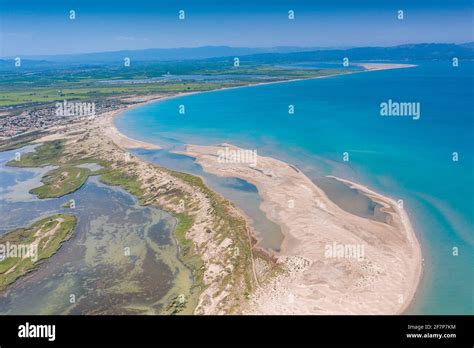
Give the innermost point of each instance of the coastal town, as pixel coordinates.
(18, 121)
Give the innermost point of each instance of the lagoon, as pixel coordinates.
(121, 259)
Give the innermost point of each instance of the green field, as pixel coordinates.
(48, 95)
(43, 85)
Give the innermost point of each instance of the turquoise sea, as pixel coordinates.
(404, 158)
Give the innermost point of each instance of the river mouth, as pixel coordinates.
(121, 259)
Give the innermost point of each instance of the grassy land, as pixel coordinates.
(61, 228)
(115, 177)
(47, 85)
(186, 254)
(48, 95)
(61, 181)
(47, 153)
(227, 226)
(68, 177)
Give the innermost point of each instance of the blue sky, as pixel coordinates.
(34, 27)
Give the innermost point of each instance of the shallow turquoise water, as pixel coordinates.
(398, 156)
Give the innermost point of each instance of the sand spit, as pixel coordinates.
(338, 263)
(383, 66)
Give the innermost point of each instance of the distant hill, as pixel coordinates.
(167, 54)
(395, 53)
(276, 55)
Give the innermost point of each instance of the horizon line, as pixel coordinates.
(315, 48)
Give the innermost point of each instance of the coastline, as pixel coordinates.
(303, 247)
(144, 100)
(288, 247)
(410, 233)
(126, 142)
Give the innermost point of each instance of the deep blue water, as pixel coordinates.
(398, 156)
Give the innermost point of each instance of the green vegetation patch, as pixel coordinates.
(227, 226)
(115, 177)
(46, 153)
(186, 253)
(63, 180)
(22, 249)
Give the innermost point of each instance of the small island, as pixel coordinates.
(22, 249)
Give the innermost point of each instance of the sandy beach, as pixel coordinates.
(124, 141)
